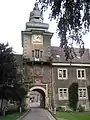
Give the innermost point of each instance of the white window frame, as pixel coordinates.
(64, 78)
(81, 98)
(62, 98)
(83, 78)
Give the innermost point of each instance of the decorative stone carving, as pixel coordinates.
(36, 20)
(36, 15)
(37, 80)
(37, 71)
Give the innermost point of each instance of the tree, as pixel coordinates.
(11, 86)
(8, 70)
(73, 96)
(8, 66)
(88, 89)
(19, 92)
(73, 17)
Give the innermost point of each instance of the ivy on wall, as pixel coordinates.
(73, 96)
(88, 89)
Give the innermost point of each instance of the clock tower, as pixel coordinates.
(36, 43)
(36, 38)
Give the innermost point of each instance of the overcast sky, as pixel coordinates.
(13, 16)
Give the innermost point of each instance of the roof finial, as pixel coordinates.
(36, 15)
(36, 6)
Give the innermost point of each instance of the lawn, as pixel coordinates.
(73, 116)
(14, 116)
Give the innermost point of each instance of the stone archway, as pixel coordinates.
(44, 94)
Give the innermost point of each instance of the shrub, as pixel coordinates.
(60, 109)
(88, 89)
(73, 96)
(81, 108)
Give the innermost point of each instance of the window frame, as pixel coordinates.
(33, 53)
(41, 53)
(37, 53)
(82, 98)
(82, 78)
(62, 98)
(63, 78)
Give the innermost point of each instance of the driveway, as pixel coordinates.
(38, 114)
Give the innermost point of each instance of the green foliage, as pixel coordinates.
(73, 96)
(73, 18)
(19, 92)
(60, 109)
(10, 79)
(6, 92)
(88, 88)
(8, 66)
(14, 116)
(8, 72)
(81, 108)
(73, 115)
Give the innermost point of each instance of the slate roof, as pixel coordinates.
(59, 55)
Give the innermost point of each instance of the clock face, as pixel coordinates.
(37, 39)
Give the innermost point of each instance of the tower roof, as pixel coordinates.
(36, 20)
(36, 15)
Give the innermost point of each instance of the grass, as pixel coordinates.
(73, 116)
(14, 116)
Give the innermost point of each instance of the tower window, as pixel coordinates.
(32, 53)
(41, 54)
(37, 53)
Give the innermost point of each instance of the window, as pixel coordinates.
(41, 54)
(63, 93)
(11, 102)
(82, 93)
(36, 53)
(81, 74)
(62, 73)
(32, 53)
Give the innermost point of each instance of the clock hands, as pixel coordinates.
(38, 38)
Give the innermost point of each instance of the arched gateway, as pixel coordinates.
(43, 91)
(44, 94)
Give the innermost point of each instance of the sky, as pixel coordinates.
(13, 16)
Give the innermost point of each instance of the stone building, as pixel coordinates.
(46, 68)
